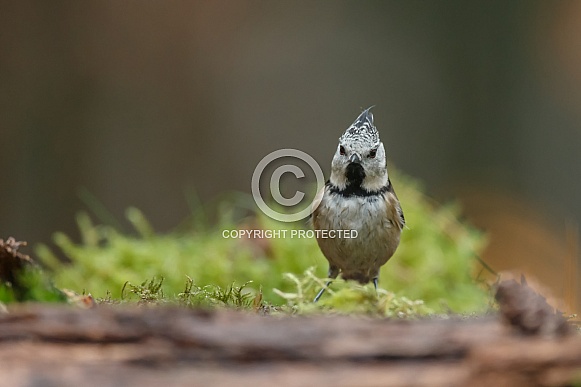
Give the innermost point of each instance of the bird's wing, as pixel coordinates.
(315, 205)
(394, 209)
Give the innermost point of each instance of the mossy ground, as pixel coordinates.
(433, 270)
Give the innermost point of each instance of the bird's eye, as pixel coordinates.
(372, 153)
(342, 150)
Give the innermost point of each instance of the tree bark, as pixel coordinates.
(152, 346)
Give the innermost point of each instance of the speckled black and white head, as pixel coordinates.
(359, 162)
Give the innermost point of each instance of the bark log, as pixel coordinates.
(108, 345)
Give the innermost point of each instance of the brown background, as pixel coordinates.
(140, 102)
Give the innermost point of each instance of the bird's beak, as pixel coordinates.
(355, 158)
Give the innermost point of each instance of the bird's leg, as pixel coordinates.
(322, 291)
(333, 273)
(375, 283)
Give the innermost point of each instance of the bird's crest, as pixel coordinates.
(362, 130)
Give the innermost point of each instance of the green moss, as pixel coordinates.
(434, 263)
(348, 298)
(33, 285)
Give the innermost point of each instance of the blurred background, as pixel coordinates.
(138, 103)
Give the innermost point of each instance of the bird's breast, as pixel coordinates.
(353, 213)
(376, 239)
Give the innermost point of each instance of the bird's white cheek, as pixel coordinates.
(338, 178)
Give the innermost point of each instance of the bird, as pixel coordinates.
(358, 196)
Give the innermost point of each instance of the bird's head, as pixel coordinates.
(359, 161)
